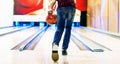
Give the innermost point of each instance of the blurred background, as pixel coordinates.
(101, 14)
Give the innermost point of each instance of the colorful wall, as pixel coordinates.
(33, 10)
(104, 15)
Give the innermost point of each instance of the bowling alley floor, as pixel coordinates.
(41, 54)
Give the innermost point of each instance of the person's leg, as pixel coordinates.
(58, 34)
(83, 18)
(60, 26)
(69, 20)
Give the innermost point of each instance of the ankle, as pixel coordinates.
(55, 47)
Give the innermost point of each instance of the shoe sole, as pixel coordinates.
(55, 56)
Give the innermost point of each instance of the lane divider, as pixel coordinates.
(115, 35)
(21, 45)
(14, 31)
(26, 43)
(82, 42)
(95, 43)
(6, 27)
(79, 45)
(31, 45)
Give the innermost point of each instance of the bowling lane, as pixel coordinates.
(88, 43)
(34, 39)
(13, 39)
(39, 54)
(107, 41)
(23, 35)
(10, 40)
(42, 53)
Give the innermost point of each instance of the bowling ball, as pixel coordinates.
(51, 18)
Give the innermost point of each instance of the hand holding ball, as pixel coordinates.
(51, 18)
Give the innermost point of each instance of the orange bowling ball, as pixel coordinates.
(51, 18)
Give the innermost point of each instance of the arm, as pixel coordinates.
(75, 1)
(52, 3)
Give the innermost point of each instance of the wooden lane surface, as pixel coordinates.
(42, 53)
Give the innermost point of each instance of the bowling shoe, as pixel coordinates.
(64, 52)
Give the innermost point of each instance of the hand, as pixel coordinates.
(50, 12)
